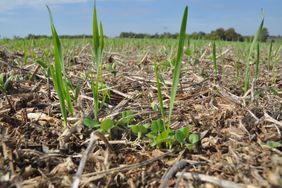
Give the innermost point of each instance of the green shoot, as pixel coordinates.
(177, 67)
(160, 98)
(98, 45)
(248, 64)
(275, 62)
(58, 74)
(257, 61)
(269, 56)
(214, 59)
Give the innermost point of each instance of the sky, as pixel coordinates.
(71, 17)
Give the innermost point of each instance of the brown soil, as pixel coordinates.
(36, 150)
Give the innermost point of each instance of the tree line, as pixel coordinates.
(218, 34)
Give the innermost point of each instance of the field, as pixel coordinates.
(239, 129)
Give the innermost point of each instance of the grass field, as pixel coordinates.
(239, 130)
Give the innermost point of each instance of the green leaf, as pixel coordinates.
(155, 107)
(95, 94)
(157, 126)
(176, 71)
(42, 64)
(139, 129)
(107, 125)
(160, 97)
(274, 91)
(166, 136)
(214, 58)
(188, 52)
(127, 117)
(194, 138)
(273, 144)
(90, 123)
(95, 31)
(248, 64)
(101, 37)
(181, 134)
(2, 82)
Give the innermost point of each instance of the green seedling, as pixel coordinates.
(193, 140)
(237, 67)
(139, 130)
(5, 83)
(91, 123)
(127, 117)
(160, 98)
(257, 61)
(273, 144)
(58, 74)
(177, 67)
(248, 64)
(159, 134)
(112, 67)
(182, 134)
(98, 46)
(215, 69)
(160, 131)
(105, 126)
(275, 63)
(269, 60)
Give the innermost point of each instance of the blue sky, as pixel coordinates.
(21, 17)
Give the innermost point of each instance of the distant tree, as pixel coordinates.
(264, 35)
(232, 35)
(218, 34)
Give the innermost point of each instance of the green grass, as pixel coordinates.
(248, 63)
(177, 66)
(98, 46)
(58, 74)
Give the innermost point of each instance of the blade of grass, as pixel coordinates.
(214, 59)
(58, 72)
(269, 56)
(160, 97)
(258, 61)
(177, 67)
(95, 30)
(248, 64)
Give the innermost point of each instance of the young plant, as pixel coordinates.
(257, 61)
(275, 62)
(214, 59)
(5, 83)
(160, 131)
(177, 67)
(98, 45)
(58, 74)
(269, 56)
(248, 64)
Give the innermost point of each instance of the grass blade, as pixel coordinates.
(214, 59)
(95, 32)
(58, 73)
(248, 65)
(258, 61)
(160, 97)
(176, 71)
(269, 56)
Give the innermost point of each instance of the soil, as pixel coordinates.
(37, 151)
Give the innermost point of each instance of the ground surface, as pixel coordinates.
(36, 150)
